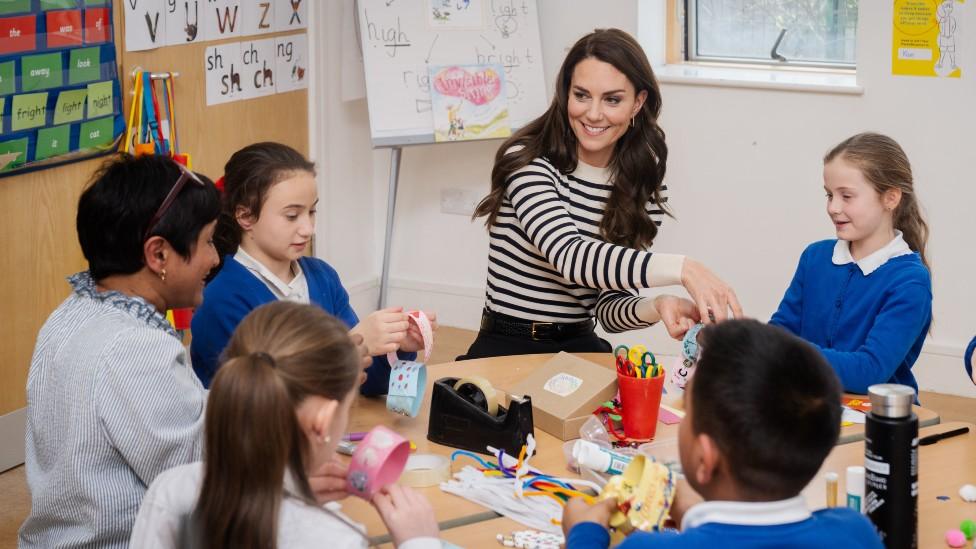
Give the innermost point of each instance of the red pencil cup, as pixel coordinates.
(641, 400)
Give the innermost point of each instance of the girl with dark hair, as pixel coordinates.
(278, 407)
(576, 198)
(111, 398)
(267, 222)
(865, 298)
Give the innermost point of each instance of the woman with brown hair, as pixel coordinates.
(277, 409)
(576, 199)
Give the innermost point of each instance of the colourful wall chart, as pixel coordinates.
(927, 38)
(60, 96)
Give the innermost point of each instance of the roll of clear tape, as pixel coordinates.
(423, 470)
(488, 396)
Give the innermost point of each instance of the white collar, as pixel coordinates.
(261, 271)
(764, 513)
(897, 247)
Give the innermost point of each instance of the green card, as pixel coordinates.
(8, 81)
(40, 72)
(28, 111)
(58, 4)
(14, 6)
(96, 134)
(85, 65)
(96, 2)
(52, 142)
(70, 106)
(13, 153)
(100, 99)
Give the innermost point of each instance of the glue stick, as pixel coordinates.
(831, 479)
(599, 459)
(855, 487)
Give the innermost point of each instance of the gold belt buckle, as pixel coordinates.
(534, 324)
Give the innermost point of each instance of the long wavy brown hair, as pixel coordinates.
(280, 354)
(885, 165)
(639, 157)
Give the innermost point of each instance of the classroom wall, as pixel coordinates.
(38, 243)
(745, 179)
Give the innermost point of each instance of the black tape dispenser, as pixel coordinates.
(465, 413)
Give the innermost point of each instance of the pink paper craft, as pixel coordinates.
(667, 417)
(377, 462)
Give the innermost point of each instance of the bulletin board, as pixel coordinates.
(60, 98)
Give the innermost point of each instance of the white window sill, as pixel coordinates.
(771, 78)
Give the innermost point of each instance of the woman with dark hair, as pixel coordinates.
(576, 198)
(111, 398)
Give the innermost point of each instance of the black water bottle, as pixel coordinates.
(891, 465)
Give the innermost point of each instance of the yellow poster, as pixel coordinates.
(926, 38)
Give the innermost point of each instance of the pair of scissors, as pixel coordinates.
(648, 368)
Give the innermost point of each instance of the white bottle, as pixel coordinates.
(599, 459)
(855, 488)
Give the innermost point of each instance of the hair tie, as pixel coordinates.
(219, 183)
(265, 357)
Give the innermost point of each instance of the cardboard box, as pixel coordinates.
(565, 391)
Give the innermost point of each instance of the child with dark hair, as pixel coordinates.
(266, 226)
(762, 413)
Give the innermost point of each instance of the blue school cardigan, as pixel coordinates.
(235, 292)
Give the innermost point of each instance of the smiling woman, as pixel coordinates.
(576, 200)
(111, 398)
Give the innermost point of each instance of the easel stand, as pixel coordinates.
(395, 153)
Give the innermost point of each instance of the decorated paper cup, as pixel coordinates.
(377, 462)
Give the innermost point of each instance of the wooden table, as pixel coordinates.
(503, 372)
(481, 534)
(942, 468)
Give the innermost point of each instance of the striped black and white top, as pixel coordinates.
(547, 261)
(112, 402)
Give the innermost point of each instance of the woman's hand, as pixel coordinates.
(713, 297)
(577, 511)
(406, 513)
(383, 330)
(329, 482)
(677, 313)
(414, 341)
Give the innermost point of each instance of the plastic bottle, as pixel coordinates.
(891, 465)
(599, 459)
(855, 488)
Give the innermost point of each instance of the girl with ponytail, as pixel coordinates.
(277, 408)
(865, 299)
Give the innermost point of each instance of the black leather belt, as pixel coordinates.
(540, 331)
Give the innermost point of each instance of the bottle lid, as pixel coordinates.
(891, 400)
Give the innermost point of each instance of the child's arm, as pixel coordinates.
(899, 322)
(970, 360)
(585, 525)
(409, 517)
(790, 309)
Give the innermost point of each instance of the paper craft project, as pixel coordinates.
(408, 379)
(644, 493)
(50, 52)
(377, 461)
(469, 102)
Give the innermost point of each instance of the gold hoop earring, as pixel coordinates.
(632, 121)
(326, 439)
(162, 275)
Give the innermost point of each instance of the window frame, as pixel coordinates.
(684, 15)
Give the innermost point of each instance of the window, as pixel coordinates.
(787, 32)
